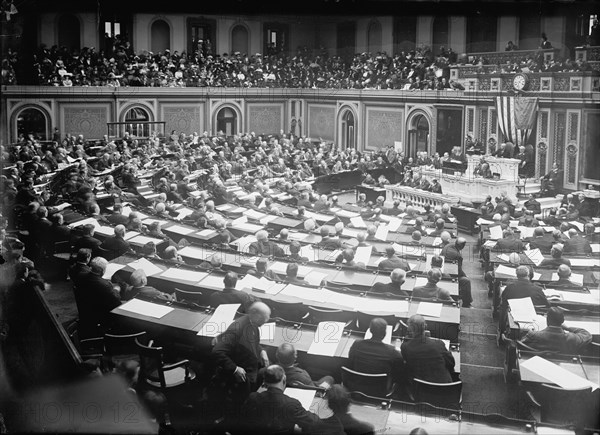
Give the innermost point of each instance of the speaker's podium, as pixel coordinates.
(453, 166)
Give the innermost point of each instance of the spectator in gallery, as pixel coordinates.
(510, 46)
(545, 43)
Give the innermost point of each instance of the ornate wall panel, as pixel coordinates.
(264, 118)
(541, 148)
(321, 121)
(85, 119)
(187, 118)
(384, 127)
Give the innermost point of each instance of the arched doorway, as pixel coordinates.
(418, 135)
(136, 117)
(32, 121)
(239, 39)
(348, 131)
(160, 34)
(69, 32)
(227, 121)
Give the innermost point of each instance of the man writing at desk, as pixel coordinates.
(556, 336)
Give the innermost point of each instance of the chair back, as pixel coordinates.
(363, 320)
(375, 385)
(566, 407)
(194, 297)
(122, 346)
(318, 315)
(151, 364)
(291, 311)
(447, 396)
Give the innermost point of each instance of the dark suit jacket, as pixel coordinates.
(266, 248)
(390, 287)
(272, 412)
(394, 263)
(87, 242)
(428, 359)
(508, 245)
(578, 245)
(77, 271)
(231, 296)
(147, 291)
(523, 289)
(555, 338)
(554, 262)
(431, 291)
(544, 243)
(95, 298)
(117, 219)
(370, 356)
(239, 345)
(295, 374)
(117, 245)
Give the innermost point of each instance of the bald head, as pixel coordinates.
(564, 271)
(460, 243)
(259, 313)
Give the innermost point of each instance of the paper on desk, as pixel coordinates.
(429, 309)
(146, 308)
(489, 244)
(522, 310)
(548, 229)
(566, 234)
(180, 229)
(388, 334)
(194, 252)
(333, 255)
(142, 240)
(267, 331)
(514, 224)
(358, 222)
(578, 225)
(105, 231)
(305, 397)
(593, 327)
(496, 232)
(585, 262)
(363, 254)
(306, 293)
(148, 268)
(253, 214)
(504, 270)
(297, 236)
(219, 321)
(207, 233)
(595, 248)
(420, 281)
(308, 252)
(150, 221)
(327, 338)
(396, 306)
(574, 278)
(315, 278)
(526, 232)
(503, 257)
(184, 212)
(266, 219)
(240, 220)
(183, 275)
(267, 286)
(394, 224)
(556, 374)
(347, 214)
(535, 255)
(382, 232)
(350, 232)
(86, 221)
(482, 221)
(111, 268)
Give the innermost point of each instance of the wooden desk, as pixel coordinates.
(466, 217)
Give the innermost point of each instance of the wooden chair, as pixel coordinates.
(290, 311)
(155, 373)
(122, 347)
(553, 404)
(318, 315)
(363, 320)
(447, 396)
(375, 385)
(195, 297)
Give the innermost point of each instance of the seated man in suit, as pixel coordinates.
(392, 261)
(295, 248)
(264, 247)
(541, 240)
(230, 295)
(439, 228)
(436, 187)
(577, 244)
(139, 286)
(590, 233)
(272, 412)
(291, 275)
(261, 269)
(431, 289)
(81, 266)
(426, 358)
(373, 356)
(533, 205)
(557, 336)
(117, 217)
(394, 287)
(328, 242)
(338, 400)
(564, 277)
(557, 259)
(346, 258)
(286, 357)
(116, 244)
(508, 242)
(96, 298)
(87, 240)
(464, 283)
